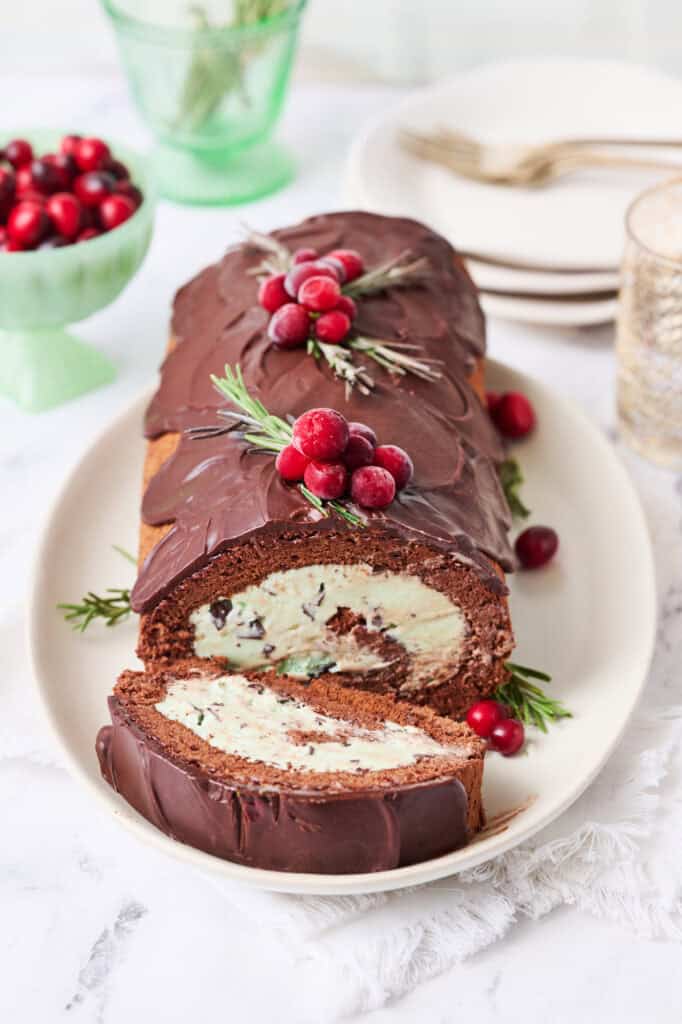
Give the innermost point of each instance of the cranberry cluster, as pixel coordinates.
(307, 302)
(490, 719)
(514, 416)
(61, 198)
(335, 458)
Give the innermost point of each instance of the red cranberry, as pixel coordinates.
(536, 546)
(396, 461)
(115, 210)
(304, 256)
(291, 464)
(485, 715)
(45, 177)
(348, 306)
(289, 326)
(336, 266)
(7, 187)
(118, 169)
(69, 145)
(351, 261)
(492, 400)
(65, 212)
(513, 415)
(94, 187)
(318, 294)
(87, 233)
(3, 236)
(321, 434)
(301, 272)
(332, 327)
(507, 736)
(372, 487)
(27, 225)
(126, 188)
(359, 452)
(19, 152)
(327, 480)
(364, 431)
(23, 179)
(31, 196)
(64, 167)
(91, 154)
(271, 293)
(11, 246)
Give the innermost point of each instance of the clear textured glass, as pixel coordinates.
(210, 81)
(649, 337)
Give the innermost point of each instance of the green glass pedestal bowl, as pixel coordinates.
(41, 292)
(210, 79)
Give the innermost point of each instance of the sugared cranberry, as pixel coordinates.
(372, 487)
(65, 213)
(536, 546)
(289, 326)
(507, 736)
(326, 480)
(27, 225)
(396, 461)
(364, 431)
(301, 272)
(69, 144)
(118, 169)
(321, 434)
(271, 293)
(319, 294)
(513, 415)
(45, 177)
(115, 210)
(19, 152)
(359, 452)
(304, 255)
(126, 188)
(91, 154)
(348, 306)
(291, 464)
(336, 266)
(485, 715)
(332, 327)
(351, 260)
(93, 187)
(65, 169)
(87, 233)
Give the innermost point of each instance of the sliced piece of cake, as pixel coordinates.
(260, 769)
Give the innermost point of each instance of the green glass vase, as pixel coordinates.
(41, 292)
(210, 83)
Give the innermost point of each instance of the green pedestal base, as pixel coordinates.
(221, 179)
(41, 369)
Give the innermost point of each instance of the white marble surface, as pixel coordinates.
(98, 928)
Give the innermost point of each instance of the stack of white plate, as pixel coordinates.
(545, 255)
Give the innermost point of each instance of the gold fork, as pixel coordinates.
(521, 165)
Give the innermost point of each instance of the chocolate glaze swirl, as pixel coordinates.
(216, 492)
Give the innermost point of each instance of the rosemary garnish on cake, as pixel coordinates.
(311, 300)
(526, 700)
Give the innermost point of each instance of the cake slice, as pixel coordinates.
(272, 773)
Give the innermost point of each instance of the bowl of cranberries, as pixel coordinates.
(76, 218)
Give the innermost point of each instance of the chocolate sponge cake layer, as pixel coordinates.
(267, 772)
(221, 529)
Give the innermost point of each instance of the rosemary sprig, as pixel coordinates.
(266, 432)
(276, 257)
(394, 273)
(511, 479)
(112, 609)
(528, 702)
(340, 360)
(394, 358)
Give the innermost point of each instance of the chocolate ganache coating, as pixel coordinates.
(216, 492)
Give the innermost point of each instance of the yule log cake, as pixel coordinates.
(247, 573)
